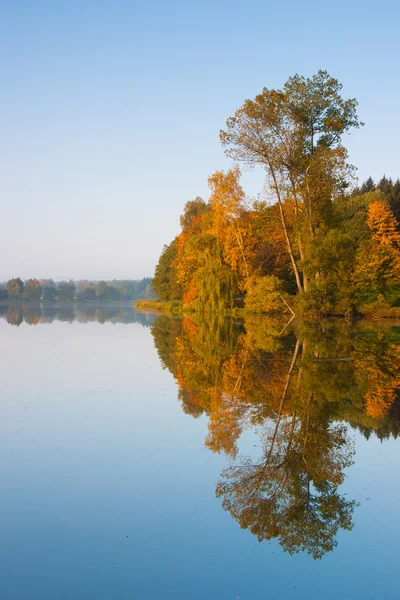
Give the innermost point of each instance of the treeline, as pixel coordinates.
(83, 291)
(314, 243)
(389, 189)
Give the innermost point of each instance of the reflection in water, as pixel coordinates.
(47, 313)
(300, 389)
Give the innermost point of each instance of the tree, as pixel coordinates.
(81, 285)
(14, 316)
(383, 225)
(378, 266)
(394, 199)
(265, 295)
(3, 292)
(66, 290)
(295, 135)
(385, 185)
(114, 294)
(106, 293)
(368, 186)
(32, 290)
(165, 284)
(230, 226)
(120, 287)
(14, 287)
(49, 294)
(47, 283)
(193, 209)
(87, 293)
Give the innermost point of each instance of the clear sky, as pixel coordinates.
(110, 114)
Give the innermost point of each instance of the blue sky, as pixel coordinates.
(110, 114)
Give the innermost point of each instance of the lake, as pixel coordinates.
(148, 457)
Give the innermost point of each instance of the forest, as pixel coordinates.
(46, 290)
(315, 242)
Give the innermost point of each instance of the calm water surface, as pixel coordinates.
(150, 458)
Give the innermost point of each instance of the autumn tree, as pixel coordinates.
(378, 267)
(32, 290)
(194, 209)
(14, 287)
(295, 135)
(231, 225)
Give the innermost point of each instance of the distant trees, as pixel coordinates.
(14, 287)
(47, 290)
(114, 291)
(106, 293)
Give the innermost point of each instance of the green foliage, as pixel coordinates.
(217, 287)
(387, 188)
(265, 295)
(87, 293)
(84, 291)
(106, 293)
(49, 294)
(193, 210)
(3, 292)
(164, 282)
(66, 290)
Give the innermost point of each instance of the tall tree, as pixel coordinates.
(295, 134)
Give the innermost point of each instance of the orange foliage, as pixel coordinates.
(383, 224)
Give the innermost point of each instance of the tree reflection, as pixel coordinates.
(34, 314)
(301, 389)
(14, 316)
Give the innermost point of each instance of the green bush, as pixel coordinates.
(265, 295)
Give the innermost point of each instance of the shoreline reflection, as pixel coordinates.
(16, 314)
(301, 389)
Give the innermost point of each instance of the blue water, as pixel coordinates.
(108, 492)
